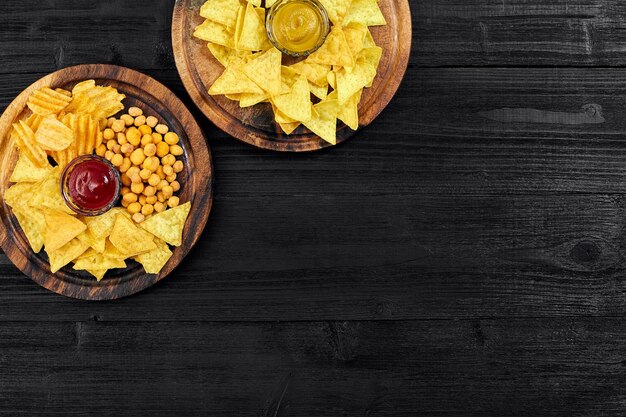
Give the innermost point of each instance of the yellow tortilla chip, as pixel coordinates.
(324, 121)
(26, 171)
(226, 56)
(97, 244)
(315, 73)
(129, 239)
(365, 12)
(46, 101)
(355, 36)
(253, 34)
(53, 135)
(47, 194)
(297, 103)
(336, 9)
(101, 226)
(349, 83)
(169, 224)
(97, 273)
(156, 259)
(61, 228)
(215, 33)
(349, 113)
(233, 81)
(265, 70)
(248, 100)
(93, 260)
(20, 194)
(33, 224)
(63, 256)
(288, 128)
(221, 11)
(270, 3)
(335, 50)
(319, 92)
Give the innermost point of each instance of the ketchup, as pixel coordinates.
(92, 185)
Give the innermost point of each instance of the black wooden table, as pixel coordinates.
(462, 256)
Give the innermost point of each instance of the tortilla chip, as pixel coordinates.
(336, 9)
(335, 50)
(96, 244)
(221, 11)
(350, 83)
(26, 171)
(61, 228)
(365, 12)
(169, 224)
(129, 239)
(324, 121)
(319, 92)
(265, 70)
(156, 259)
(20, 194)
(226, 56)
(297, 103)
(288, 128)
(48, 194)
(92, 260)
(97, 273)
(349, 113)
(253, 34)
(33, 225)
(315, 73)
(66, 254)
(215, 33)
(233, 81)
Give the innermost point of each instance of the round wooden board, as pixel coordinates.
(197, 184)
(199, 69)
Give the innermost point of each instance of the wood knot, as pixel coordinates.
(585, 252)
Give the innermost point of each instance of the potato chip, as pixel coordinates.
(233, 81)
(66, 254)
(53, 135)
(33, 224)
(25, 140)
(65, 156)
(215, 33)
(100, 102)
(47, 194)
(324, 121)
(169, 224)
(221, 11)
(256, 3)
(336, 9)
(61, 228)
(86, 132)
(335, 50)
(252, 34)
(349, 83)
(26, 171)
(92, 260)
(315, 73)
(365, 12)
(46, 101)
(265, 70)
(63, 91)
(129, 239)
(297, 103)
(33, 121)
(156, 259)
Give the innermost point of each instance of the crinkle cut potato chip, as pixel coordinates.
(53, 135)
(98, 101)
(253, 73)
(25, 141)
(47, 101)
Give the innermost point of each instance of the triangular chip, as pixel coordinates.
(349, 112)
(349, 83)
(365, 12)
(221, 11)
(20, 194)
(335, 50)
(297, 103)
(47, 194)
(288, 128)
(97, 244)
(156, 259)
(101, 226)
(61, 228)
(253, 34)
(33, 224)
(97, 273)
(128, 238)
(63, 256)
(355, 36)
(169, 224)
(324, 121)
(336, 9)
(215, 33)
(233, 81)
(248, 100)
(315, 73)
(226, 55)
(319, 92)
(265, 70)
(97, 261)
(26, 171)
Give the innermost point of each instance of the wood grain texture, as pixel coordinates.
(536, 367)
(255, 125)
(196, 185)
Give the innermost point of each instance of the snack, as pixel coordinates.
(144, 154)
(316, 91)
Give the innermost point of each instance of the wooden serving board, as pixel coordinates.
(196, 185)
(255, 125)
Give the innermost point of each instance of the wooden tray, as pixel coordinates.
(198, 70)
(154, 98)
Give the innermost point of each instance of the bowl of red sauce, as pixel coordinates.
(90, 185)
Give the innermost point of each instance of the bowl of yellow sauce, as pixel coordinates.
(297, 27)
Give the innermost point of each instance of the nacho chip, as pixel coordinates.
(248, 100)
(61, 228)
(349, 113)
(336, 9)
(97, 273)
(226, 55)
(46, 101)
(288, 128)
(265, 70)
(97, 244)
(53, 135)
(297, 103)
(355, 36)
(47, 194)
(221, 11)
(92, 260)
(252, 34)
(156, 259)
(319, 92)
(20, 194)
(324, 121)
(349, 83)
(315, 73)
(63, 256)
(233, 81)
(365, 12)
(101, 226)
(129, 239)
(169, 224)
(335, 50)
(269, 3)
(215, 33)
(33, 224)
(26, 171)
(25, 141)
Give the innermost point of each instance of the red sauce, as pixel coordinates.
(92, 185)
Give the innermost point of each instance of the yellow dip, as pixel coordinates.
(298, 26)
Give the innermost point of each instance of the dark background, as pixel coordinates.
(461, 256)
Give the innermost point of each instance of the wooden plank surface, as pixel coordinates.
(452, 368)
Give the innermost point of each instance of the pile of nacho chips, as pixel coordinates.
(314, 92)
(65, 124)
(94, 244)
